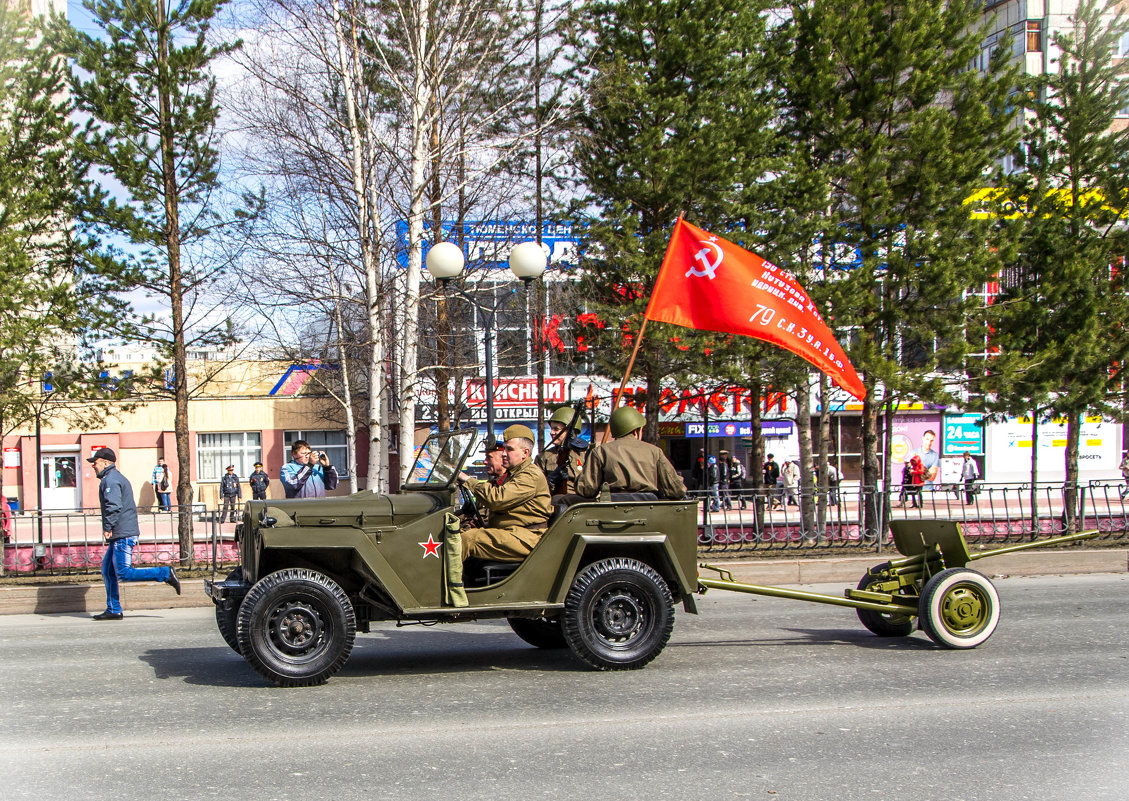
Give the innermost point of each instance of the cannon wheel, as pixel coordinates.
(959, 608)
(296, 627)
(618, 614)
(540, 633)
(882, 623)
(226, 615)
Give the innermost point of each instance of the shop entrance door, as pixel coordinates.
(58, 481)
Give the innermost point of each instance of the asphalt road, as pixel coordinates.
(754, 698)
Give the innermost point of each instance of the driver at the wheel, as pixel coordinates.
(519, 505)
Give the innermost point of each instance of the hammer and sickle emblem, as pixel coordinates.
(708, 267)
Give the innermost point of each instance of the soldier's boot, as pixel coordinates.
(454, 592)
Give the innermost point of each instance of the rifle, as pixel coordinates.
(558, 479)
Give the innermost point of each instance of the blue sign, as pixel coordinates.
(963, 432)
(487, 243)
(741, 428)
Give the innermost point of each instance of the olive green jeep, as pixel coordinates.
(601, 582)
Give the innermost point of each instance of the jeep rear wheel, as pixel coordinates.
(226, 613)
(540, 633)
(618, 614)
(296, 627)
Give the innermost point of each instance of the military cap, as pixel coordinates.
(492, 444)
(518, 431)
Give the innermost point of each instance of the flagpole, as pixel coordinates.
(642, 328)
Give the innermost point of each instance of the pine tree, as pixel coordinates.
(674, 116)
(55, 290)
(146, 83)
(1059, 319)
(897, 132)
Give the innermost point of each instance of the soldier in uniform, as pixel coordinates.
(495, 470)
(628, 464)
(519, 506)
(552, 459)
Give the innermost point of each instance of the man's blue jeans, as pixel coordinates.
(117, 565)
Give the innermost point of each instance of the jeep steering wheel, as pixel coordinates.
(468, 507)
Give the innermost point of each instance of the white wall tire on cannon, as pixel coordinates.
(959, 608)
(296, 627)
(618, 614)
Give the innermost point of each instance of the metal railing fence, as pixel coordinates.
(855, 516)
(70, 543)
(62, 543)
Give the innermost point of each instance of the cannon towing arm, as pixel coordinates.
(957, 607)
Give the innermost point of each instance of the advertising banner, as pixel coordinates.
(1011, 444)
(740, 428)
(963, 432)
(917, 434)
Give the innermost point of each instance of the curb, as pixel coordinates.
(54, 598)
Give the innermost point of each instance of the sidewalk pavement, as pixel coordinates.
(847, 570)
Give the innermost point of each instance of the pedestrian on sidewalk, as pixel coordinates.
(771, 477)
(969, 472)
(713, 479)
(120, 530)
(723, 469)
(259, 482)
(161, 486)
(230, 492)
(790, 473)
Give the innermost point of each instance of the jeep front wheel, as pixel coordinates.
(296, 627)
(618, 614)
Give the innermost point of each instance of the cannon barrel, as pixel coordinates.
(1026, 546)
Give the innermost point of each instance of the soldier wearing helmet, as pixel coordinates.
(561, 460)
(628, 464)
(519, 506)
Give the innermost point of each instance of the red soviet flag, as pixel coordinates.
(708, 283)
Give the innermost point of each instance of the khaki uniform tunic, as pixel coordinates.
(519, 511)
(547, 461)
(630, 465)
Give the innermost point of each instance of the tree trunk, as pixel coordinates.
(807, 483)
(825, 453)
(1071, 495)
(176, 294)
(869, 498)
(409, 306)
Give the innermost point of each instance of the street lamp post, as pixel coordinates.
(445, 261)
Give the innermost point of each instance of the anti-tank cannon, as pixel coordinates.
(931, 587)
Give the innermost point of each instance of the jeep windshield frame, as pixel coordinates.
(439, 460)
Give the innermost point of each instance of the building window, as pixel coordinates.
(332, 442)
(1034, 36)
(214, 452)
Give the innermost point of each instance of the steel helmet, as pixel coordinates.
(624, 420)
(564, 414)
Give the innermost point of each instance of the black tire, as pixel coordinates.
(227, 613)
(296, 627)
(618, 614)
(882, 623)
(959, 608)
(540, 633)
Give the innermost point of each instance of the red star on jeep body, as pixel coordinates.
(431, 547)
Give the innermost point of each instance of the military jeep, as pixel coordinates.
(601, 581)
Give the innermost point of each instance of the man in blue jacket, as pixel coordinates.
(307, 474)
(120, 530)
